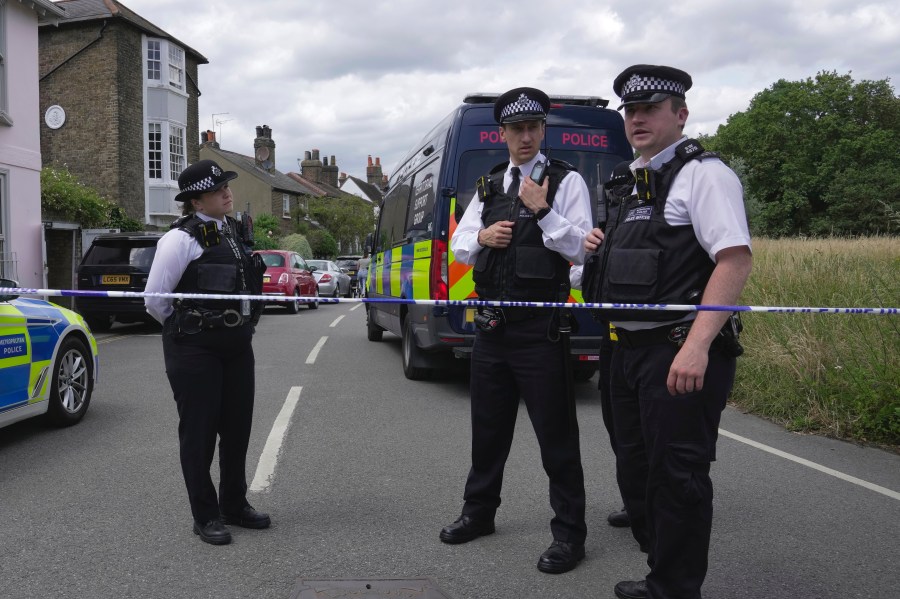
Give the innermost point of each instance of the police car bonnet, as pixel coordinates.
(202, 177)
(521, 104)
(649, 84)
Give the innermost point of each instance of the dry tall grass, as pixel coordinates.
(837, 374)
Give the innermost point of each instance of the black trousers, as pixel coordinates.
(664, 447)
(520, 361)
(212, 377)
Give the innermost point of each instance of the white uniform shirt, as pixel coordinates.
(707, 195)
(174, 251)
(563, 228)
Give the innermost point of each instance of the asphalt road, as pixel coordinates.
(373, 465)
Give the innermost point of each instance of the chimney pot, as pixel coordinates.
(204, 136)
(370, 161)
(378, 161)
(212, 136)
(259, 131)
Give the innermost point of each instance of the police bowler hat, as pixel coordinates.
(650, 83)
(201, 177)
(521, 104)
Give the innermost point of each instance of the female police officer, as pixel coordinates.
(207, 347)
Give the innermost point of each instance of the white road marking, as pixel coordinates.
(265, 469)
(359, 305)
(813, 465)
(336, 321)
(311, 358)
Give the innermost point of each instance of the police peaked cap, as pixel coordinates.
(650, 83)
(201, 177)
(521, 104)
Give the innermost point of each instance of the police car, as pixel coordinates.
(48, 361)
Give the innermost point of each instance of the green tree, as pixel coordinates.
(819, 156)
(64, 196)
(265, 232)
(323, 244)
(348, 219)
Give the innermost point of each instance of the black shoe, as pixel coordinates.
(465, 529)
(213, 532)
(560, 557)
(632, 589)
(619, 519)
(249, 518)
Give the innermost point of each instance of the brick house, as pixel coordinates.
(264, 189)
(129, 92)
(20, 152)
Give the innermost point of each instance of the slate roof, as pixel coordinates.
(372, 192)
(276, 179)
(95, 10)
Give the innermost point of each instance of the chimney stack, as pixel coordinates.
(373, 172)
(311, 167)
(330, 172)
(209, 139)
(264, 149)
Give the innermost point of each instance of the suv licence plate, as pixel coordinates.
(115, 279)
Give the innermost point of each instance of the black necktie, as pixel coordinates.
(513, 190)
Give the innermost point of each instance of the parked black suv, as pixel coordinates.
(116, 262)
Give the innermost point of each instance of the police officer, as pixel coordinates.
(521, 237)
(677, 235)
(207, 347)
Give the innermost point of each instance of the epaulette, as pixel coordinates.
(563, 164)
(499, 168)
(181, 221)
(205, 232)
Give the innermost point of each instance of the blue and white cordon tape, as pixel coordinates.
(464, 303)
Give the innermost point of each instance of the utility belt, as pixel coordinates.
(491, 318)
(727, 341)
(191, 320)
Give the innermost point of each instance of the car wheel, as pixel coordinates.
(349, 291)
(294, 306)
(314, 305)
(72, 383)
(100, 324)
(411, 352)
(373, 331)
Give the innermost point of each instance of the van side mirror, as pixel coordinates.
(8, 284)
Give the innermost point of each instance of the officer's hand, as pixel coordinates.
(593, 240)
(688, 369)
(497, 235)
(534, 196)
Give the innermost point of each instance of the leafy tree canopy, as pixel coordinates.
(64, 196)
(819, 156)
(348, 219)
(297, 243)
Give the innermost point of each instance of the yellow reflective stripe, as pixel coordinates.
(9, 314)
(421, 270)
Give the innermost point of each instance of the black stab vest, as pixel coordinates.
(525, 270)
(644, 259)
(218, 270)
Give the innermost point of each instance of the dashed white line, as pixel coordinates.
(359, 305)
(813, 465)
(336, 321)
(265, 469)
(311, 358)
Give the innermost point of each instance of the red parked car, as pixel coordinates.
(287, 274)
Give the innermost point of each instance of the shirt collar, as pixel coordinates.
(660, 159)
(205, 218)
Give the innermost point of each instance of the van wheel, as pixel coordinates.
(373, 331)
(294, 306)
(411, 352)
(71, 383)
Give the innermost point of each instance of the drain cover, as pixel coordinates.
(368, 588)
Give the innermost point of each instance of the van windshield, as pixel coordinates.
(594, 167)
(134, 253)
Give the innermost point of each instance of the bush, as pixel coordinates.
(323, 243)
(297, 243)
(63, 196)
(265, 232)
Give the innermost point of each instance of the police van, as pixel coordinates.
(426, 198)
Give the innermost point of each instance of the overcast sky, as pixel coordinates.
(354, 78)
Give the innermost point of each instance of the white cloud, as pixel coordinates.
(371, 77)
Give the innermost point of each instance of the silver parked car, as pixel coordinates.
(332, 280)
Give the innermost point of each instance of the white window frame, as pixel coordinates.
(176, 67)
(155, 155)
(285, 205)
(177, 156)
(171, 62)
(5, 118)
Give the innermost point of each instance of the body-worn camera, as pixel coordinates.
(488, 319)
(539, 172)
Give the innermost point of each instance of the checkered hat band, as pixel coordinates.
(638, 84)
(201, 185)
(523, 104)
